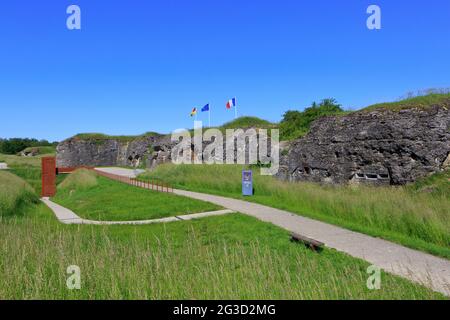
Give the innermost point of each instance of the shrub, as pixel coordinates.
(296, 123)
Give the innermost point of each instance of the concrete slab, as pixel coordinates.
(64, 215)
(204, 214)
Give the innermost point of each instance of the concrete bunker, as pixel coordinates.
(371, 177)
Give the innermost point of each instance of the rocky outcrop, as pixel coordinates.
(141, 151)
(29, 152)
(377, 147)
(144, 151)
(373, 147)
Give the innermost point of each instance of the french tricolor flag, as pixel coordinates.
(231, 103)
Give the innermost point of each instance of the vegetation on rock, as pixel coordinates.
(296, 124)
(420, 102)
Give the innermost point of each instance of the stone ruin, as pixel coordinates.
(380, 147)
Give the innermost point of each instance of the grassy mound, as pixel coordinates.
(15, 194)
(28, 168)
(437, 184)
(79, 180)
(421, 102)
(248, 122)
(417, 219)
(98, 198)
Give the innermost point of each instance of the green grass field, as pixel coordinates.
(228, 257)
(417, 216)
(97, 198)
(28, 168)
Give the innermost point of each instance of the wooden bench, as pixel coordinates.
(310, 243)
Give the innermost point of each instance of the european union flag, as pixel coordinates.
(205, 108)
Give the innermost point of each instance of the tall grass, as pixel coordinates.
(206, 259)
(28, 168)
(404, 214)
(15, 194)
(228, 257)
(17, 161)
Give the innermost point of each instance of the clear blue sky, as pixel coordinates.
(142, 65)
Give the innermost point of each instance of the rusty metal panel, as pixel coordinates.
(48, 176)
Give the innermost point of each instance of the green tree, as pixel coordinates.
(15, 145)
(297, 123)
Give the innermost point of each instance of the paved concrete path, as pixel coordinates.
(129, 173)
(67, 216)
(414, 265)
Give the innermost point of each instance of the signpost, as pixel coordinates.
(247, 182)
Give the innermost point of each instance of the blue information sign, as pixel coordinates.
(247, 182)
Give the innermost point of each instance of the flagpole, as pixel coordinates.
(209, 116)
(235, 109)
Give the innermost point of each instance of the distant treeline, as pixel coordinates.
(15, 145)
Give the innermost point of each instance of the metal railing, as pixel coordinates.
(150, 184)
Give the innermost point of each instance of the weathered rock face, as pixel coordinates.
(378, 147)
(112, 152)
(143, 151)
